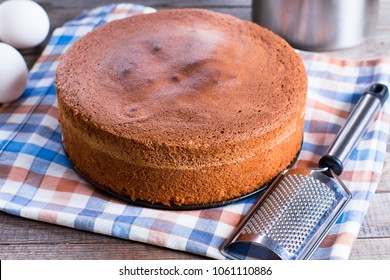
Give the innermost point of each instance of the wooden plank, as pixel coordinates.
(28, 239)
(373, 241)
(377, 220)
(16, 230)
(384, 184)
(241, 12)
(88, 4)
(383, 17)
(371, 249)
(58, 17)
(63, 11)
(96, 251)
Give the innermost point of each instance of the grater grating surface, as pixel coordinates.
(292, 211)
(292, 217)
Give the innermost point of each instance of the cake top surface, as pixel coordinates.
(185, 74)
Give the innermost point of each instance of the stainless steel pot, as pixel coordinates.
(318, 25)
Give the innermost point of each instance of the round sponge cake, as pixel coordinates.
(181, 107)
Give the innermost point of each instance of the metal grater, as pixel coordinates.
(301, 205)
(298, 205)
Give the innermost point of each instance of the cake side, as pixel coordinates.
(182, 181)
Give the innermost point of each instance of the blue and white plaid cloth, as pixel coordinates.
(37, 181)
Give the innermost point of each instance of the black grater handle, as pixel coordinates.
(355, 127)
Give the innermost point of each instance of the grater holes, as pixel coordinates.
(291, 211)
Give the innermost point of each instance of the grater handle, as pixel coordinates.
(355, 127)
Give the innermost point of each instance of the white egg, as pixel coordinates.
(13, 74)
(23, 23)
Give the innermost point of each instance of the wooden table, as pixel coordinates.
(26, 239)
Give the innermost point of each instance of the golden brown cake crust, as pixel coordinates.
(181, 106)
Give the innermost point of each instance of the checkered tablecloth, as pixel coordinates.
(37, 182)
